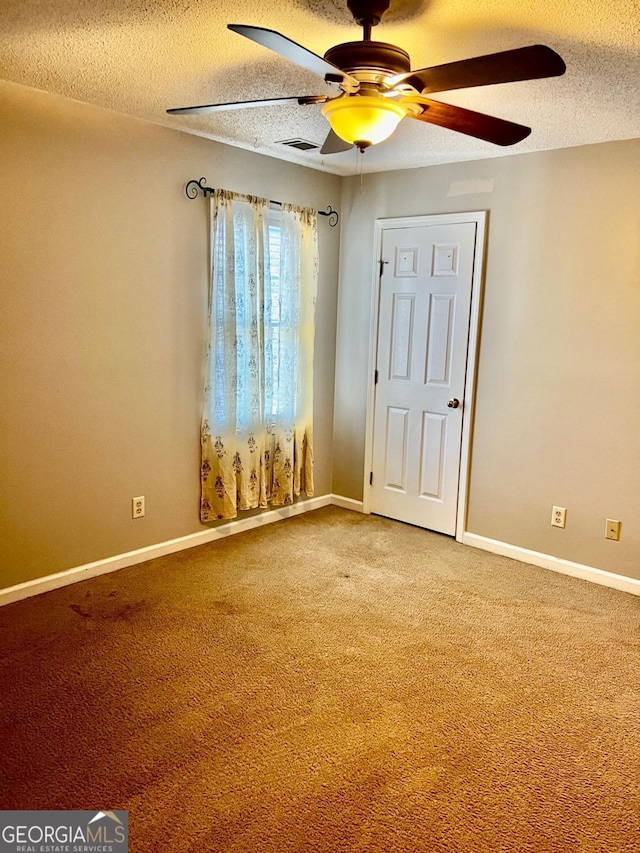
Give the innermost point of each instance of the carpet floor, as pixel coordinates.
(332, 683)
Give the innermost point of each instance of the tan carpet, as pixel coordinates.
(335, 682)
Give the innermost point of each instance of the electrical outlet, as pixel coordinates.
(612, 529)
(559, 516)
(137, 507)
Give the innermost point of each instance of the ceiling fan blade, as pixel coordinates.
(334, 145)
(509, 66)
(295, 52)
(481, 126)
(240, 105)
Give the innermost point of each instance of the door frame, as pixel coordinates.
(479, 218)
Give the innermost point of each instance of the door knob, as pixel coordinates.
(453, 404)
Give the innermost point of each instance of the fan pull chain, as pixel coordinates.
(359, 165)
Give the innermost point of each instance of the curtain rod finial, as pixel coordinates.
(332, 214)
(192, 187)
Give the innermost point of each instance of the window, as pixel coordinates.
(257, 431)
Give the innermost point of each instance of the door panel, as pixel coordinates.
(401, 336)
(434, 439)
(396, 442)
(440, 338)
(423, 331)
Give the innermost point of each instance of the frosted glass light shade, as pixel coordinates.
(363, 119)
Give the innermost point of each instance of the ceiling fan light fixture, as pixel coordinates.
(363, 120)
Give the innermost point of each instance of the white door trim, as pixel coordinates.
(478, 217)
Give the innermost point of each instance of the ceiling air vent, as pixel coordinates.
(300, 144)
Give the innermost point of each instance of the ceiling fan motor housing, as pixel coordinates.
(369, 55)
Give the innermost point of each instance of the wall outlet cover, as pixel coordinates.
(137, 507)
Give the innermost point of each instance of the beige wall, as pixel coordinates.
(558, 395)
(102, 294)
(102, 304)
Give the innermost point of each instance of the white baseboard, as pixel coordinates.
(347, 503)
(141, 555)
(546, 561)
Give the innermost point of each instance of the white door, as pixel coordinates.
(423, 335)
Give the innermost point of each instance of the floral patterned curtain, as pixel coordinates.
(257, 445)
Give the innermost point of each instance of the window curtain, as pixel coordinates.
(257, 442)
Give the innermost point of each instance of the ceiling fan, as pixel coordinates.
(378, 89)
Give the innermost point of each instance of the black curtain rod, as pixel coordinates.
(193, 187)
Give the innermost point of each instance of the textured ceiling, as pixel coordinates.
(142, 56)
